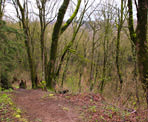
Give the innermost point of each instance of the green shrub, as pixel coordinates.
(4, 82)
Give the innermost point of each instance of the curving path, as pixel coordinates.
(38, 108)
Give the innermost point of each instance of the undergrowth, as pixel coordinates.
(8, 111)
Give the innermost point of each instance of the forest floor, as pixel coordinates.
(41, 106)
(45, 107)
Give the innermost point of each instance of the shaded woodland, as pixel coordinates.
(82, 45)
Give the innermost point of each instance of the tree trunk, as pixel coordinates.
(54, 44)
(104, 65)
(142, 44)
(57, 31)
(27, 37)
(43, 56)
(41, 4)
(96, 73)
(91, 77)
(65, 70)
(80, 80)
(139, 38)
(135, 75)
(105, 51)
(32, 65)
(120, 23)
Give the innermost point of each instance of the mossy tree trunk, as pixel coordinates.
(142, 43)
(22, 14)
(41, 9)
(105, 53)
(57, 31)
(70, 44)
(119, 27)
(139, 38)
(43, 13)
(65, 70)
(91, 76)
(54, 44)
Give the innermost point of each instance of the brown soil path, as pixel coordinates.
(38, 108)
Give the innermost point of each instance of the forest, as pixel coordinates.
(73, 61)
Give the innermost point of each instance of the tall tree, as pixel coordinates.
(108, 14)
(45, 9)
(76, 27)
(57, 31)
(95, 28)
(23, 16)
(139, 38)
(119, 28)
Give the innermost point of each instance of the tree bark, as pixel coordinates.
(41, 4)
(54, 44)
(57, 31)
(24, 20)
(142, 43)
(120, 24)
(139, 38)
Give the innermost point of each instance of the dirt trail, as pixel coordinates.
(40, 109)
